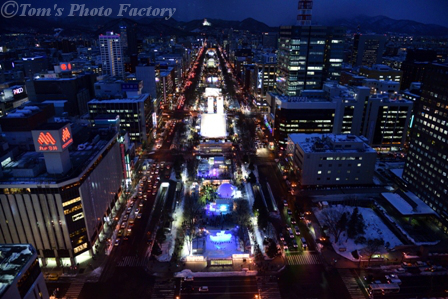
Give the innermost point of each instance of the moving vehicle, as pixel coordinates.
(52, 276)
(203, 289)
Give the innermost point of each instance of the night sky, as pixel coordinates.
(281, 12)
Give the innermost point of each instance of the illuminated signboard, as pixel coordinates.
(78, 216)
(17, 91)
(52, 140)
(80, 248)
(65, 66)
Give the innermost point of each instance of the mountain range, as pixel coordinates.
(158, 26)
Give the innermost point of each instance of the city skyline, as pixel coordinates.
(260, 150)
(323, 10)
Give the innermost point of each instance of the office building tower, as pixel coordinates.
(386, 121)
(368, 49)
(426, 169)
(264, 75)
(136, 114)
(111, 54)
(307, 56)
(334, 109)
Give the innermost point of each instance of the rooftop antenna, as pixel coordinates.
(305, 12)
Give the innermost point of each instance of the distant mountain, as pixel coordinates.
(383, 24)
(159, 26)
(249, 24)
(146, 26)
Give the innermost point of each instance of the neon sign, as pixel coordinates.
(17, 91)
(52, 140)
(66, 137)
(47, 142)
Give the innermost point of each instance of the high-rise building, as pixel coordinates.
(264, 74)
(136, 114)
(426, 168)
(307, 56)
(111, 54)
(386, 121)
(368, 49)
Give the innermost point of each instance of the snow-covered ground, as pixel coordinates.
(375, 229)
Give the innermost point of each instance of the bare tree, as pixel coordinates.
(373, 246)
(336, 221)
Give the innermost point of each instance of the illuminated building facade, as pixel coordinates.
(426, 169)
(112, 54)
(381, 72)
(136, 114)
(334, 109)
(307, 56)
(386, 121)
(60, 204)
(331, 159)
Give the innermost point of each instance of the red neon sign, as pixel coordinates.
(46, 139)
(66, 134)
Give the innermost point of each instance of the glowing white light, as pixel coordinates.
(213, 125)
(221, 237)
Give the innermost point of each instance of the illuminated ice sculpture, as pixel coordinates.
(213, 125)
(221, 236)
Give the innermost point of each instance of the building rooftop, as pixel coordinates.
(330, 143)
(302, 99)
(408, 204)
(13, 258)
(28, 168)
(141, 98)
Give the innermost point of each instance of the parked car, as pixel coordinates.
(304, 245)
(203, 289)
